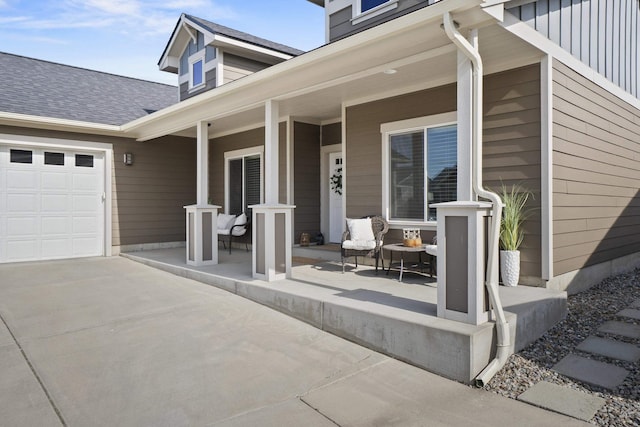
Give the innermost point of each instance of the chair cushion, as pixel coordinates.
(225, 221)
(431, 249)
(241, 219)
(360, 229)
(238, 231)
(359, 245)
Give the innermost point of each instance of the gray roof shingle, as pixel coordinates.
(42, 88)
(246, 37)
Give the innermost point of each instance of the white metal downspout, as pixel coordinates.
(502, 327)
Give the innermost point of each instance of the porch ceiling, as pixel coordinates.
(317, 84)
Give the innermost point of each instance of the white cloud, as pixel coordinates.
(3, 4)
(116, 7)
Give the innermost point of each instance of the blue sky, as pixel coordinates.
(127, 37)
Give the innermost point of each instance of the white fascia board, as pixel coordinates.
(224, 41)
(39, 122)
(158, 123)
(546, 46)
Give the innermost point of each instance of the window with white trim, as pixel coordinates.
(365, 9)
(243, 180)
(196, 70)
(420, 169)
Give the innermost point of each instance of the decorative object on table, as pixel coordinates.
(411, 237)
(304, 239)
(514, 214)
(364, 237)
(336, 181)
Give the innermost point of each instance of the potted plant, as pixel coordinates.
(514, 214)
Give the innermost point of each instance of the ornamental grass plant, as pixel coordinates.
(514, 214)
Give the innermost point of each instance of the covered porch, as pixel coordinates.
(377, 311)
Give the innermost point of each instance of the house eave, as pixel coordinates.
(58, 124)
(310, 69)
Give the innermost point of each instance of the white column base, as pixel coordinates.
(462, 228)
(202, 235)
(272, 241)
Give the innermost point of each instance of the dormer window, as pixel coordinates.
(366, 5)
(369, 8)
(196, 70)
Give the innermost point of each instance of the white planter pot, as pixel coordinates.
(510, 267)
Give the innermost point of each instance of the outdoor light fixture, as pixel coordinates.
(128, 159)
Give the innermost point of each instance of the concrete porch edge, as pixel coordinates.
(451, 349)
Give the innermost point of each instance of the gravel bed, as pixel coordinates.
(587, 311)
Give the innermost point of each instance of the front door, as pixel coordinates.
(335, 197)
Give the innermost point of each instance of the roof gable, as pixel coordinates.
(219, 35)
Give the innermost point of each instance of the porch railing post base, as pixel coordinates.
(202, 235)
(272, 241)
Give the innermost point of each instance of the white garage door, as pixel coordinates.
(51, 203)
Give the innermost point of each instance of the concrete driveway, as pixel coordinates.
(110, 342)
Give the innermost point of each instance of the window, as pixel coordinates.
(370, 4)
(84, 160)
(366, 9)
(244, 180)
(21, 156)
(421, 169)
(196, 68)
(53, 158)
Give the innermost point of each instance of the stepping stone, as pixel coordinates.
(563, 400)
(630, 313)
(591, 372)
(610, 348)
(620, 328)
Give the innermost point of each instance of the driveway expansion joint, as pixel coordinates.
(35, 374)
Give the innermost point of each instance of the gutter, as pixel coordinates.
(52, 123)
(502, 326)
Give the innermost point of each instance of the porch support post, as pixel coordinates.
(202, 218)
(465, 119)
(272, 222)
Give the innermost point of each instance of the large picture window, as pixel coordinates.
(421, 169)
(244, 181)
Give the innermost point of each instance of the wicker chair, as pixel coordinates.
(380, 228)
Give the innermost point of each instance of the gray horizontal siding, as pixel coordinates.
(332, 134)
(596, 170)
(604, 34)
(210, 79)
(306, 179)
(340, 25)
(236, 67)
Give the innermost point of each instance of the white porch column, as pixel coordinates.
(203, 163)
(272, 223)
(202, 218)
(464, 114)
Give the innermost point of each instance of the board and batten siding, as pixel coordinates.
(341, 25)
(604, 34)
(511, 147)
(306, 181)
(148, 196)
(596, 173)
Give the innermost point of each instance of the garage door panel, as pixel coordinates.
(24, 179)
(56, 248)
(25, 203)
(55, 181)
(55, 226)
(85, 182)
(22, 226)
(54, 203)
(84, 225)
(85, 245)
(18, 250)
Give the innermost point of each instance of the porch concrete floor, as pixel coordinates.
(377, 311)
